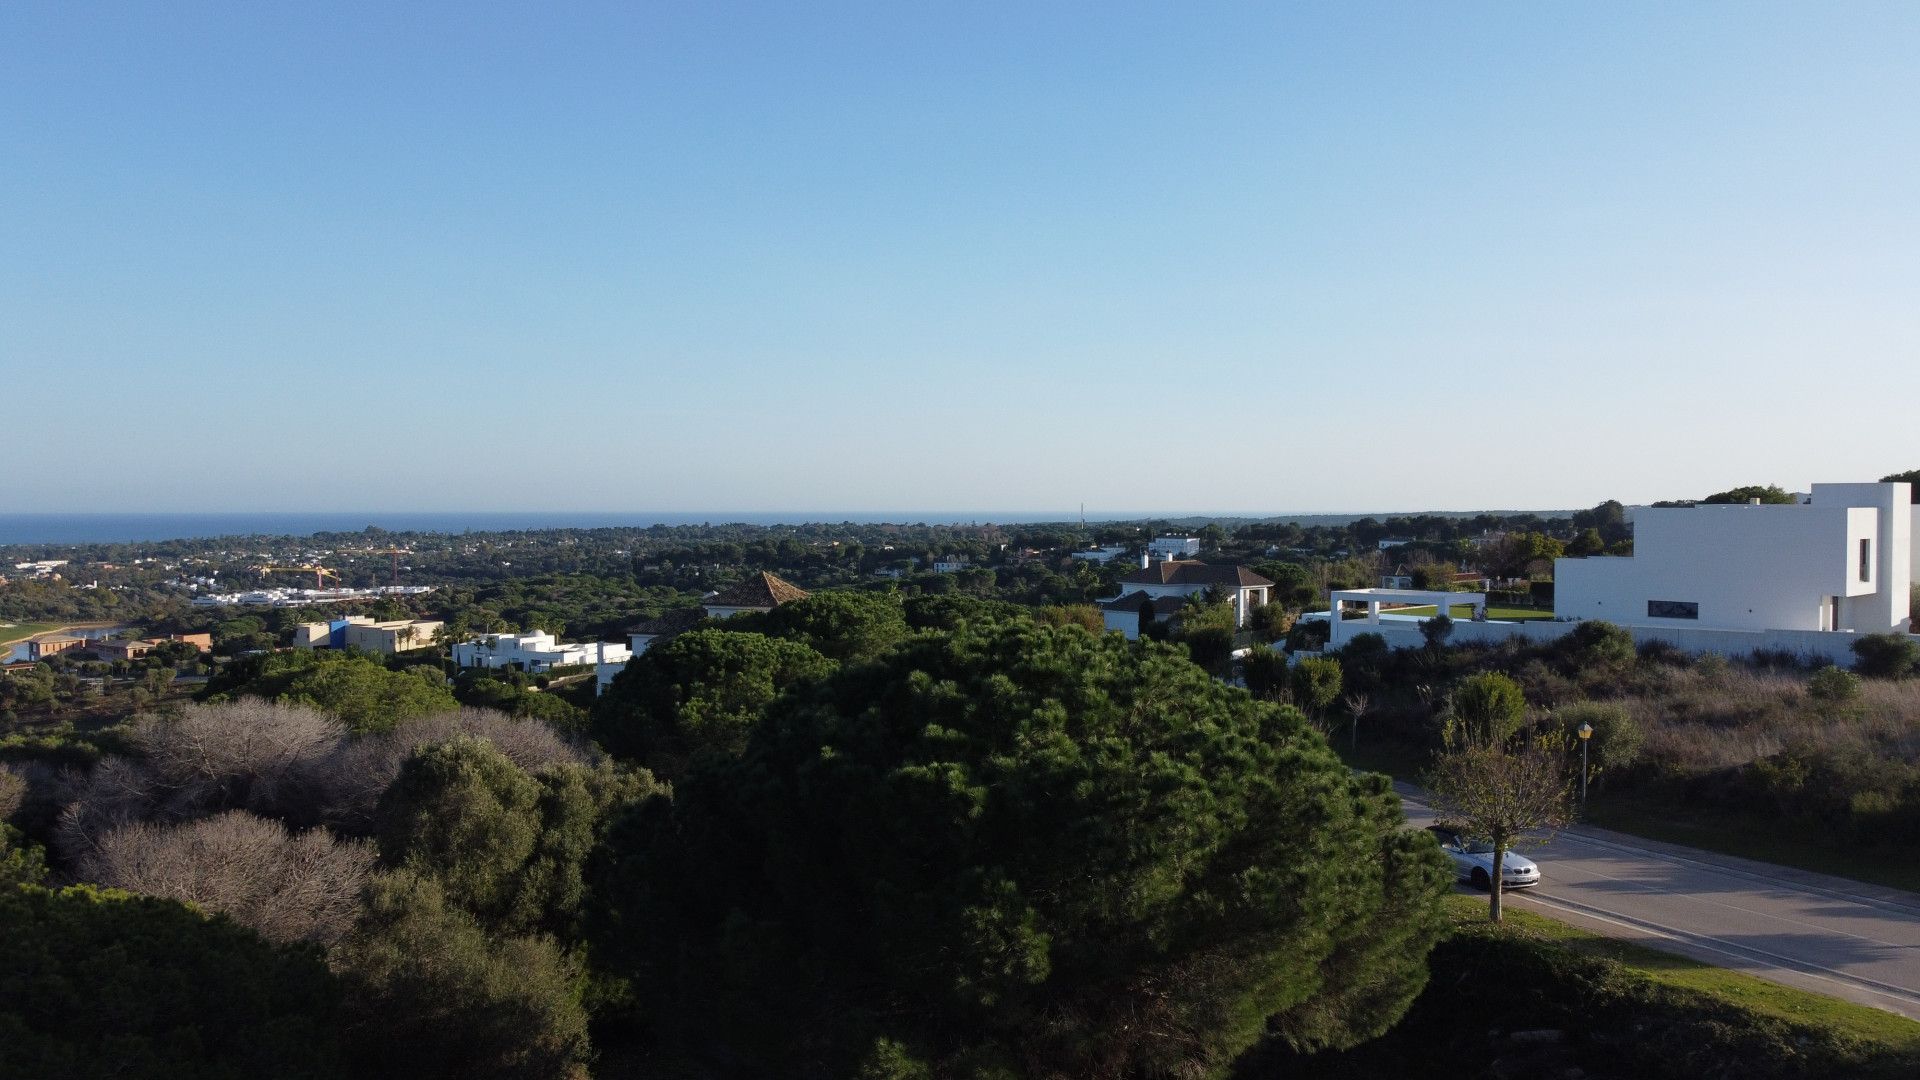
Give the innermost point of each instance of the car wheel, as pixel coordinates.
(1481, 880)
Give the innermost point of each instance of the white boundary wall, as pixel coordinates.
(1806, 644)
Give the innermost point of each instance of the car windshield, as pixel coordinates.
(1477, 847)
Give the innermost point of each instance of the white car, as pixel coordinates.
(1473, 861)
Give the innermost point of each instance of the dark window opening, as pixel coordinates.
(1866, 560)
(1672, 609)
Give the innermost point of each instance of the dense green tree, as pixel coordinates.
(1768, 494)
(1589, 542)
(699, 693)
(1315, 684)
(1020, 850)
(841, 624)
(505, 846)
(1911, 476)
(362, 693)
(1485, 708)
(103, 983)
(950, 610)
(1264, 669)
(432, 996)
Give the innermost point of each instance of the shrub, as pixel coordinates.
(1597, 644)
(1886, 656)
(286, 887)
(1486, 709)
(1834, 685)
(1309, 635)
(1617, 737)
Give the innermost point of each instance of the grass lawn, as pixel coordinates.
(1754, 994)
(1464, 612)
(22, 631)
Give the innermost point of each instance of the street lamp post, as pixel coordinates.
(1585, 732)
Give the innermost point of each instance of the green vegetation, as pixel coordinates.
(363, 693)
(1862, 1023)
(971, 858)
(12, 632)
(101, 983)
(1545, 999)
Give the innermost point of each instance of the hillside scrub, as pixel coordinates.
(1512, 1001)
(1823, 750)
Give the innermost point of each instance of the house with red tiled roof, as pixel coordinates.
(761, 592)
(1168, 584)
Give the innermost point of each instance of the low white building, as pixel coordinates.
(1843, 560)
(950, 564)
(1167, 585)
(1100, 555)
(535, 651)
(1174, 547)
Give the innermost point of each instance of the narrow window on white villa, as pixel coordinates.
(1672, 609)
(1866, 560)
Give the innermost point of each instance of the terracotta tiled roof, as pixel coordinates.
(1189, 572)
(1162, 605)
(763, 590)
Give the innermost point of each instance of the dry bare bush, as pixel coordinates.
(1714, 716)
(353, 777)
(13, 791)
(251, 755)
(287, 886)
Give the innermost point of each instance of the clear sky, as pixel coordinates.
(832, 257)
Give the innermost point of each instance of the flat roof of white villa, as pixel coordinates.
(1409, 596)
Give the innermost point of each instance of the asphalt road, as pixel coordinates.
(1826, 934)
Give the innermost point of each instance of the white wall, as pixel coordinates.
(1807, 644)
(1755, 567)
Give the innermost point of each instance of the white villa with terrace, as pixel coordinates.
(535, 651)
(1805, 578)
(1167, 585)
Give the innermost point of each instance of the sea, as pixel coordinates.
(17, 528)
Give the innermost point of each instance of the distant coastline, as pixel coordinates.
(147, 528)
(75, 529)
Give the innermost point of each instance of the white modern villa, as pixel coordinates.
(535, 651)
(1804, 578)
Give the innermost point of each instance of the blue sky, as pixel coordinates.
(820, 257)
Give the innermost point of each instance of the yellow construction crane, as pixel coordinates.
(320, 573)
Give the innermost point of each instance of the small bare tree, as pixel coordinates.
(1493, 782)
(1357, 705)
(287, 886)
